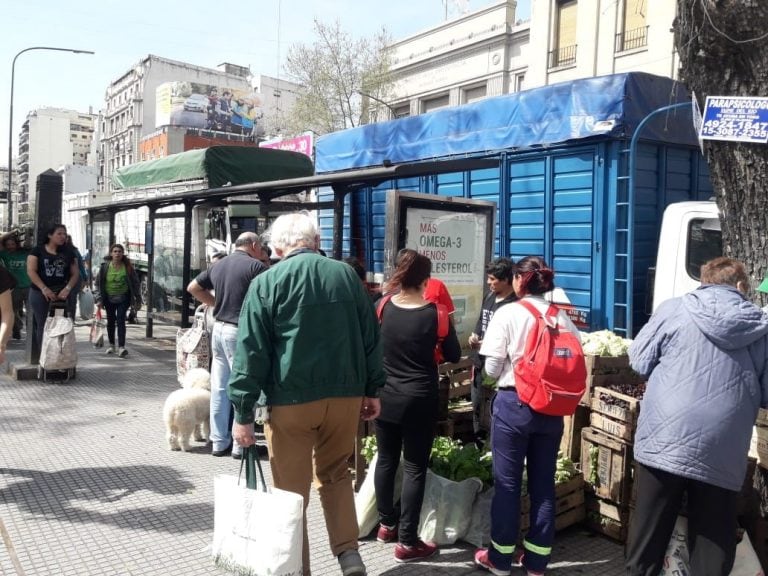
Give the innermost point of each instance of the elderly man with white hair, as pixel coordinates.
(308, 340)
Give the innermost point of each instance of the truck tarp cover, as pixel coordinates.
(606, 106)
(219, 165)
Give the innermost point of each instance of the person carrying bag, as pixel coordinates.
(256, 531)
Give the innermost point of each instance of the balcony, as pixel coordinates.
(561, 57)
(632, 39)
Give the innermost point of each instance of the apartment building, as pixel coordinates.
(49, 139)
(4, 188)
(490, 51)
(131, 105)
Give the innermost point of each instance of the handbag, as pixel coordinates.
(97, 330)
(256, 531)
(193, 348)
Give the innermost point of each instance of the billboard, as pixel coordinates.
(208, 107)
(301, 144)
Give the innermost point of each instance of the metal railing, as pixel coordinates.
(565, 56)
(631, 39)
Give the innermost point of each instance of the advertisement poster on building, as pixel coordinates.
(208, 107)
(301, 144)
(457, 244)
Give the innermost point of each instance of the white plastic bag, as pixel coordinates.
(86, 304)
(677, 560)
(447, 508)
(365, 499)
(479, 531)
(257, 533)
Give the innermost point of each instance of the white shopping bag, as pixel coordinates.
(447, 508)
(677, 561)
(256, 532)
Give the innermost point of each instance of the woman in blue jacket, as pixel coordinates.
(705, 357)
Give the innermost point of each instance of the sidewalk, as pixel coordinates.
(88, 486)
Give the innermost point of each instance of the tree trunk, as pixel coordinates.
(723, 48)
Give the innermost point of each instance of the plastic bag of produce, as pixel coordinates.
(479, 531)
(447, 508)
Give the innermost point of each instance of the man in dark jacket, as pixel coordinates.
(500, 292)
(308, 340)
(223, 287)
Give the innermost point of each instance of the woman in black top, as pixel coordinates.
(53, 271)
(409, 403)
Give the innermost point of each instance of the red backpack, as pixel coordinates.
(552, 374)
(442, 324)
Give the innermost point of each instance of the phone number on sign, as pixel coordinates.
(743, 128)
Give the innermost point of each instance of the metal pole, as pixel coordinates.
(10, 120)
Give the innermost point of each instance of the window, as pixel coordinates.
(705, 241)
(564, 52)
(634, 32)
(435, 103)
(520, 82)
(474, 94)
(402, 110)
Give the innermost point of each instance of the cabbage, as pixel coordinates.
(604, 343)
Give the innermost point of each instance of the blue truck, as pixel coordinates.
(585, 171)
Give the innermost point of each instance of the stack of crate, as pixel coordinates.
(455, 406)
(569, 505)
(606, 445)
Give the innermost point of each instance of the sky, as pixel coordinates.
(256, 34)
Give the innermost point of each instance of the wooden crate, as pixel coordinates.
(570, 443)
(762, 417)
(459, 377)
(606, 464)
(461, 415)
(569, 505)
(600, 369)
(607, 518)
(626, 413)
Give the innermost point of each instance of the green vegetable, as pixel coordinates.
(369, 448)
(594, 452)
(604, 343)
(565, 469)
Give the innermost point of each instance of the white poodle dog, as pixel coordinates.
(187, 410)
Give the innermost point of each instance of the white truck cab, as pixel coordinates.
(690, 236)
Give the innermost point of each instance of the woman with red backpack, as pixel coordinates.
(521, 434)
(409, 401)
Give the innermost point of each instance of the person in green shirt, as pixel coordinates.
(118, 288)
(14, 258)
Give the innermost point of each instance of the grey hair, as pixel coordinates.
(296, 230)
(246, 239)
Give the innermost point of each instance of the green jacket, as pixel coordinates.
(307, 331)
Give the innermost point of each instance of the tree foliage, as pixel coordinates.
(723, 48)
(343, 78)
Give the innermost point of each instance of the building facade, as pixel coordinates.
(5, 187)
(161, 107)
(131, 111)
(49, 139)
(490, 51)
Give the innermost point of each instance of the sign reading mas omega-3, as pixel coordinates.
(217, 108)
(455, 242)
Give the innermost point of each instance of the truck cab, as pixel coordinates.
(690, 236)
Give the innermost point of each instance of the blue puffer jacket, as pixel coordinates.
(705, 356)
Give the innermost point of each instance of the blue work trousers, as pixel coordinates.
(521, 435)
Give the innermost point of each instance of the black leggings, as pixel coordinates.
(116, 312)
(415, 443)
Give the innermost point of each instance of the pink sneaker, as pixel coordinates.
(418, 551)
(482, 561)
(386, 534)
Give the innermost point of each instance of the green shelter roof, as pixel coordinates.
(219, 165)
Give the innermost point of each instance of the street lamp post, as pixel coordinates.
(10, 119)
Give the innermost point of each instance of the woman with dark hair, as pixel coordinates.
(519, 434)
(118, 288)
(409, 403)
(53, 272)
